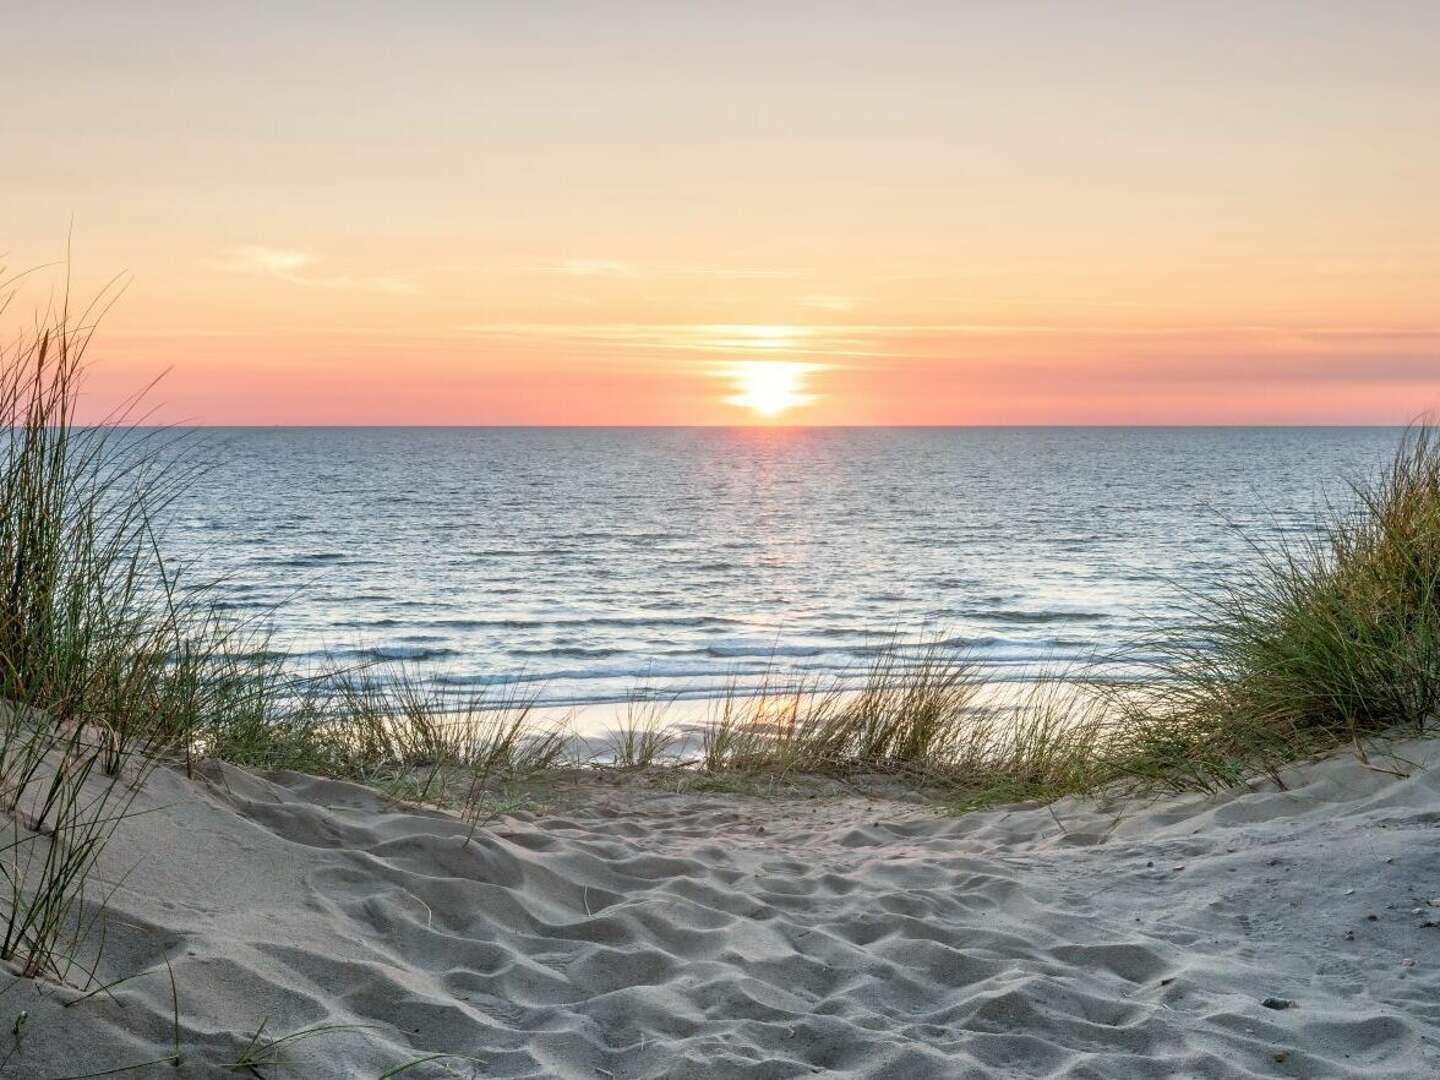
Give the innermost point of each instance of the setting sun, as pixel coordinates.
(769, 388)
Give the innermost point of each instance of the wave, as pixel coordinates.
(409, 652)
(1017, 650)
(741, 647)
(317, 558)
(615, 621)
(380, 652)
(755, 663)
(568, 652)
(1017, 616)
(636, 672)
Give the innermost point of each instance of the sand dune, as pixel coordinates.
(645, 935)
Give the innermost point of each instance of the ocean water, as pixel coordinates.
(587, 565)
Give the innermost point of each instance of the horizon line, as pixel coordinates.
(1214, 425)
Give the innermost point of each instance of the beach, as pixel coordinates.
(626, 932)
(720, 542)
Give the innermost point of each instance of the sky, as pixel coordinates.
(668, 213)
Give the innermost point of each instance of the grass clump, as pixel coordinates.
(641, 736)
(1324, 642)
(920, 714)
(87, 629)
(909, 712)
(380, 725)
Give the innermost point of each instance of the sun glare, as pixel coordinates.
(769, 388)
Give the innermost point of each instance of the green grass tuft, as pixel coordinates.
(1323, 643)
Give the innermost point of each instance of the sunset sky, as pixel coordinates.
(675, 213)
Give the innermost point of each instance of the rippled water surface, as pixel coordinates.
(587, 562)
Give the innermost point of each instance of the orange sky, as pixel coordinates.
(467, 213)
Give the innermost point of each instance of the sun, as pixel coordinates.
(769, 388)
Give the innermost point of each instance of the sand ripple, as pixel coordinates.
(651, 936)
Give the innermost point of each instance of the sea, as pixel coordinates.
(582, 566)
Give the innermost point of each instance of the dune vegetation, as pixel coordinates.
(1321, 643)
(112, 667)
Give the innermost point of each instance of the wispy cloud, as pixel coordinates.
(734, 272)
(297, 268)
(827, 303)
(619, 268)
(594, 268)
(1155, 355)
(253, 259)
(773, 341)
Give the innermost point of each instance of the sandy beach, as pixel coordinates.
(637, 934)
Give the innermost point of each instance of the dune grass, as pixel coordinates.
(641, 735)
(375, 724)
(85, 640)
(1322, 643)
(908, 712)
(920, 715)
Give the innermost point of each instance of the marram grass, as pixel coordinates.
(1321, 643)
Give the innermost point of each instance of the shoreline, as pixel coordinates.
(595, 719)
